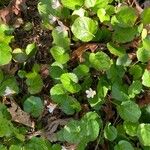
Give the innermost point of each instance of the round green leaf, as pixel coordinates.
(129, 111)
(84, 28)
(146, 78)
(9, 87)
(134, 89)
(81, 70)
(72, 132)
(110, 132)
(136, 71)
(146, 43)
(130, 128)
(69, 105)
(34, 82)
(33, 105)
(59, 54)
(56, 70)
(145, 16)
(100, 61)
(102, 15)
(5, 54)
(126, 16)
(58, 93)
(124, 35)
(143, 55)
(118, 51)
(144, 134)
(60, 37)
(123, 145)
(70, 82)
(19, 55)
(72, 4)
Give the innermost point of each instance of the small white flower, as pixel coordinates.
(63, 148)
(51, 107)
(55, 4)
(8, 91)
(90, 93)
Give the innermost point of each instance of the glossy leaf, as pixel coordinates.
(84, 28)
(129, 111)
(100, 61)
(34, 106)
(70, 82)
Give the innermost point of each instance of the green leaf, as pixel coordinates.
(123, 145)
(19, 55)
(69, 105)
(143, 55)
(124, 60)
(34, 106)
(1, 76)
(130, 128)
(70, 82)
(5, 127)
(146, 43)
(110, 132)
(72, 132)
(30, 49)
(89, 3)
(119, 91)
(115, 72)
(84, 28)
(134, 89)
(34, 82)
(4, 111)
(126, 16)
(58, 93)
(59, 54)
(145, 16)
(136, 71)
(146, 78)
(100, 61)
(56, 70)
(72, 4)
(9, 87)
(15, 147)
(143, 134)
(60, 37)
(87, 129)
(81, 70)
(49, 9)
(124, 35)
(6, 34)
(145, 117)
(129, 111)
(118, 51)
(102, 15)
(5, 54)
(2, 147)
(90, 125)
(37, 143)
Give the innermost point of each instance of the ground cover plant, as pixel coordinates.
(74, 75)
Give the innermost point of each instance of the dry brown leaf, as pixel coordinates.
(14, 8)
(52, 127)
(77, 54)
(145, 100)
(18, 115)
